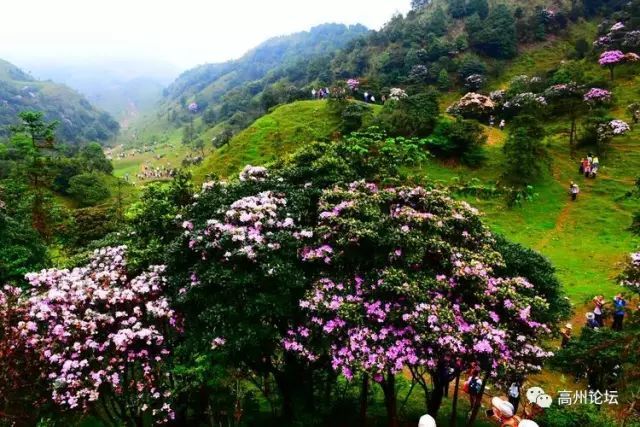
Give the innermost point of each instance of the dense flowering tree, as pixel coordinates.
(193, 107)
(472, 105)
(396, 94)
(596, 95)
(407, 282)
(102, 337)
(353, 84)
(22, 388)
(610, 59)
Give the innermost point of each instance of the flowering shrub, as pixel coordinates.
(526, 100)
(472, 105)
(22, 389)
(597, 95)
(611, 57)
(618, 26)
(254, 173)
(396, 94)
(407, 281)
(101, 336)
(353, 84)
(193, 107)
(248, 227)
(618, 127)
(631, 275)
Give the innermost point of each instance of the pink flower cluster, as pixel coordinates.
(254, 174)
(433, 296)
(248, 227)
(353, 84)
(193, 107)
(98, 331)
(611, 57)
(597, 95)
(619, 127)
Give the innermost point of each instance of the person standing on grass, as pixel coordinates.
(502, 124)
(574, 190)
(566, 335)
(618, 314)
(598, 302)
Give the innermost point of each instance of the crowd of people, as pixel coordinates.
(589, 166)
(596, 318)
(325, 93)
(158, 172)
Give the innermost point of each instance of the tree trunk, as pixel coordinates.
(389, 389)
(436, 395)
(364, 399)
(454, 403)
(476, 407)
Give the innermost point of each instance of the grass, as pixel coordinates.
(284, 130)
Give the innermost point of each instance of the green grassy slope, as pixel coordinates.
(284, 130)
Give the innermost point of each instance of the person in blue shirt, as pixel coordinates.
(618, 313)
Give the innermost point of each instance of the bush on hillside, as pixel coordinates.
(461, 139)
(525, 154)
(88, 189)
(413, 116)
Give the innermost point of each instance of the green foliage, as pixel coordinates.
(443, 81)
(94, 159)
(520, 261)
(496, 36)
(525, 154)
(22, 249)
(352, 117)
(462, 140)
(88, 189)
(576, 416)
(414, 116)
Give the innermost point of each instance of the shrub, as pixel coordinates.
(88, 189)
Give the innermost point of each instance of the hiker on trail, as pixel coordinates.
(586, 167)
(473, 386)
(592, 322)
(566, 335)
(384, 99)
(366, 97)
(514, 395)
(492, 121)
(595, 165)
(313, 93)
(598, 302)
(373, 99)
(618, 314)
(574, 190)
(502, 124)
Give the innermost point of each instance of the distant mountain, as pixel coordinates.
(79, 120)
(244, 89)
(122, 87)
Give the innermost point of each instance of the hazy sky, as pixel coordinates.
(182, 32)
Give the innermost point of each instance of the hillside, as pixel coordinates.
(79, 120)
(125, 88)
(272, 73)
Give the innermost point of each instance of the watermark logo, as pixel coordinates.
(539, 397)
(584, 397)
